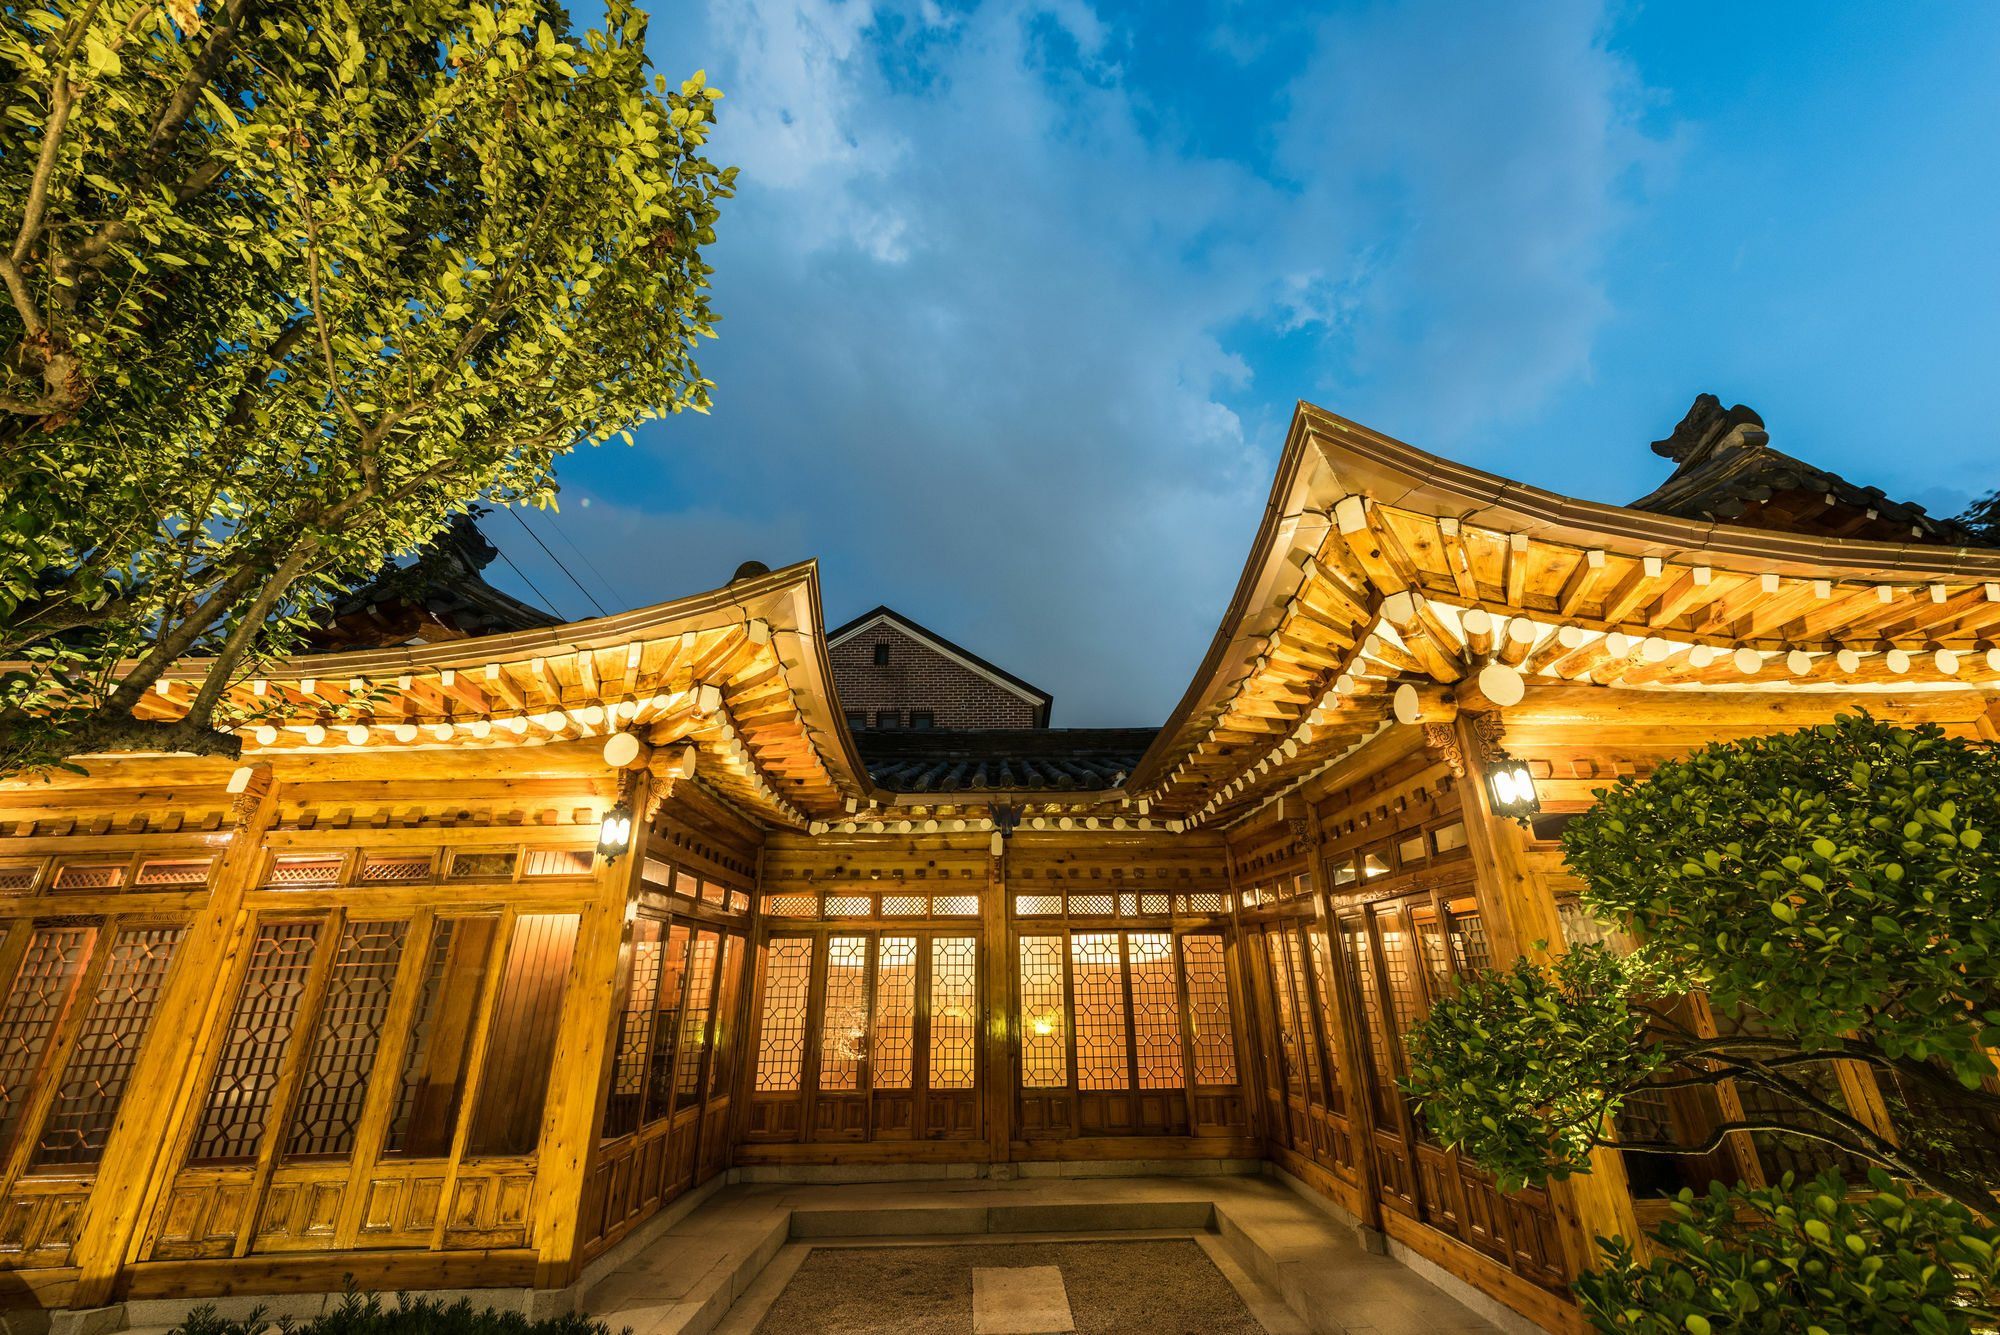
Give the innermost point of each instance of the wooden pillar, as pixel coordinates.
(1001, 1028)
(141, 1152)
(1521, 919)
(583, 1052)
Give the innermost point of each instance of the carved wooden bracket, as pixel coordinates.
(1444, 737)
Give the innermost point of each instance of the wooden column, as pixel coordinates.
(1521, 920)
(583, 1051)
(1001, 1029)
(141, 1153)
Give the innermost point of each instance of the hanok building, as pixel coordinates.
(371, 1005)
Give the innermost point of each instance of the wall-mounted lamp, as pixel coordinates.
(1512, 787)
(614, 835)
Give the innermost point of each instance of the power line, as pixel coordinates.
(557, 559)
(615, 595)
(547, 601)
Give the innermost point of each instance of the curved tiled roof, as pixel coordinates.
(940, 760)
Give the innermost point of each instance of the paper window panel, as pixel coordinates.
(1044, 1049)
(954, 1012)
(1098, 985)
(844, 1013)
(892, 1060)
(781, 1022)
(1156, 1011)
(1207, 976)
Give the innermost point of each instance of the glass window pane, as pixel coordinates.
(86, 1101)
(434, 1066)
(1323, 984)
(954, 1016)
(260, 1030)
(1044, 1050)
(781, 1027)
(1288, 1017)
(521, 1044)
(723, 1063)
(1099, 983)
(1156, 1010)
(667, 1022)
(1308, 1052)
(1202, 962)
(844, 1013)
(53, 963)
(635, 1031)
(346, 1038)
(893, 1062)
(694, 1021)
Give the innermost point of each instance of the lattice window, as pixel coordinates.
(1361, 959)
(904, 906)
(90, 876)
(667, 1022)
(294, 870)
(790, 906)
(1399, 968)
(1098, 983)
(635, 1031)
(1293, 1051)
(253, 1049)
(694, 1019)
(844, 1013)
(955, 906)
(559, 862)
(1295, 958)
(1044, 1050)
(954, 1012)
(432, 1084)
(722, 1064)
(1091, 906)
(174, 871)
(892, 1061)
(1205, 904)
(54, 960)
(1431, 949)
(1156, 1011)
(86, 1102)
(346, 1039)
(19, 876)
(781, 1026)
(1202, 963)
(484, 864)
(1154, 905)
(1029, 906)
(849, 906)
(1468, 937)
(397, 867)
(1323, 984)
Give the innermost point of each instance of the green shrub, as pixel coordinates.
(364, 1314)
(1802, 1259)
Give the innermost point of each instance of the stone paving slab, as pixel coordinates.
(1020, 1300)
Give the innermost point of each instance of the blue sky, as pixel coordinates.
(1018, 297)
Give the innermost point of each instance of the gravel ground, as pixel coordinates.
(1162, 1287)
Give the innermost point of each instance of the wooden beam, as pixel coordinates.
(1582, 582)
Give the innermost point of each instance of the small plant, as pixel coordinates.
(1802, 1259)
(364, 1314)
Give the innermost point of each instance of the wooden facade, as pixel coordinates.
(369, 1004)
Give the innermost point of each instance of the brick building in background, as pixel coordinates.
(892, 673)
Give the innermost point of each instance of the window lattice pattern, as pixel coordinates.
(1361, 960)
(1099, 982)
(1208, 1009)
(346, 1039)
(1288, 1016)
(87, 1100)
(721, 1065)
(1044, 1052)
(306, 869)
(1034, 905)
(892, 1063)
(90, 876)
(1156, 1010)
(486, 865)
(790, 906)
(667, 1023)
(397, 868)
(1091, 906)
(694, 1020)
(178, 871)
(1323, 985)
(1399, 970)
(1430, 948)
(260, 1030)
(954, 1014)
(1468, 937)
(844, 1013)
(19, 876)
(849, 906)
(54, 959)
(635, 1031)
(1302, 990)
(955, 906)
(781, 1028)
(904, 906)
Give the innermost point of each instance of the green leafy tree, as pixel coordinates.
(1837, 884)
(1802, 1259)
(285, 287)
